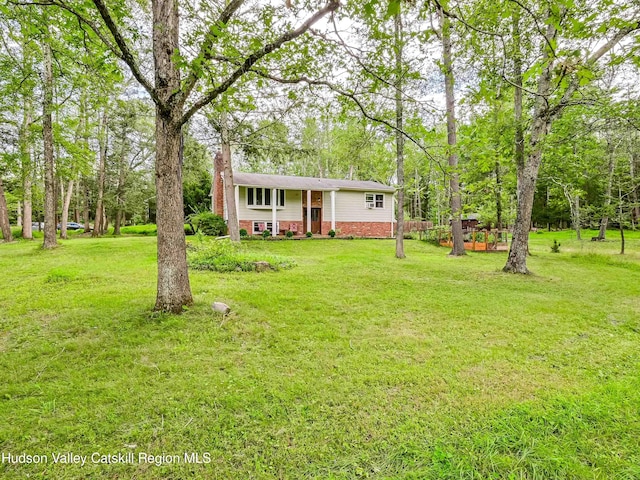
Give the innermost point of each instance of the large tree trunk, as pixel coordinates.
(229, 189)
(174, 290)
(120, 195)
(399, 137)
(65, 209)
(49, 167)
(27, 209)
(527, 169)
(527, 177)
(5, 226)
(454, 182)
(604, 221)
(99, 227)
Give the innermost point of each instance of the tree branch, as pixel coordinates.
(206, 49)
(251, 60)
(353, 98)
(125, 52)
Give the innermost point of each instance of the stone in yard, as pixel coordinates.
(220, 307)
(262, 266)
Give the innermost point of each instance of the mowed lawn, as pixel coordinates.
(351, 365)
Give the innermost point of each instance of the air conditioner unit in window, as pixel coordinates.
(370, 205)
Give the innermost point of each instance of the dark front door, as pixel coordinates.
(316, 223)
(316, 220)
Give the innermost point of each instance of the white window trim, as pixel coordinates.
(266, 226)
(374, 207)
(264, 207)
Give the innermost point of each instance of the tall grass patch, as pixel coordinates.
(222, 255)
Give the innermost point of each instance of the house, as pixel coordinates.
(306, 204)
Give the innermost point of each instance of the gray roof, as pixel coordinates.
(288, 182)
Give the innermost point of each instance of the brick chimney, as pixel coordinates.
(217, 187)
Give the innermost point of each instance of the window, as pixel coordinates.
(259, 227)
(261, 197)
(374, 200)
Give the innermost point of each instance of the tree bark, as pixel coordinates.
(454, 182)
(229, 189)
(498, 196)
(399, 137)
(65, 210)
(85, 207)
(576, 217)
(543, 116)
(528, 170)
(604, 221)
(27, 209)
(98, 224)
(120, 193)
(5, 226)
(49, 166)
(635, 209)
(174, 290)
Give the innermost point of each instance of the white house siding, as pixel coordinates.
(351, 207)
(292, 210)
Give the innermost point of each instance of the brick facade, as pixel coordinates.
(359, 229)
(343, 229)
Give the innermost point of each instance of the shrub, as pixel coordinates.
(332, 233)
(289, 234)
(266, 234)
(309, 234)
(555, 248)
(243, 232)
(209, 223)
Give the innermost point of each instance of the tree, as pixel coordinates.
(170, 92)
(454, 182)
(557, 83)
(399, 73)
(5, 226)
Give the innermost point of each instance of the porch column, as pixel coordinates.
(308, 211)
(393, 210)
(274, 222)
(237, 195)
(333, 210)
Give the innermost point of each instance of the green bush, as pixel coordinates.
(225, 256)
(309, 234)
(243, 232)
(555, 248)
(208, 223)
(289, 234)
(266, 234)
(332, 233)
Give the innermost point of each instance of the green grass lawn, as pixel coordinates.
(351, 365)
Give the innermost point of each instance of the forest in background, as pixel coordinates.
(522, 113)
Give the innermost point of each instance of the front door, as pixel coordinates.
(316, 211)
(316, 220)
